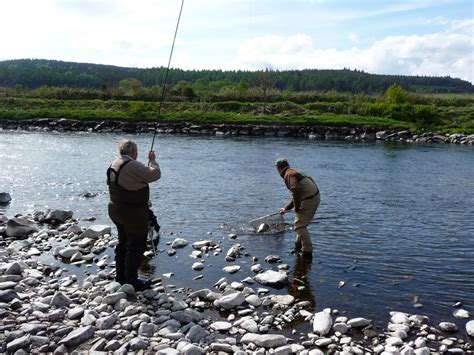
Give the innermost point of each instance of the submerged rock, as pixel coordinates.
(5, 198)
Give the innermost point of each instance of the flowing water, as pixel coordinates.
(396, 221)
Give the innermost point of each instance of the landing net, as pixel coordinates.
(269, 224)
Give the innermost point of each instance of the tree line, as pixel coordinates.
(29, 74)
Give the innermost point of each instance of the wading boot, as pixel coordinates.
(141, 285)
(297, 247)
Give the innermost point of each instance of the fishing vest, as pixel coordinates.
(314, 191)
(121, 196)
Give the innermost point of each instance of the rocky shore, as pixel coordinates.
(43, 309)
(308, 132)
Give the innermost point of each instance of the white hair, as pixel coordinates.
(126, 146)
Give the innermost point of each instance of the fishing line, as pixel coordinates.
(167, 71)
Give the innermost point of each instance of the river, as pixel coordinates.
(396, 221)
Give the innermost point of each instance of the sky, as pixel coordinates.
(406, 37)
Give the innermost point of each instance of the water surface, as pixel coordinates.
(395, 222)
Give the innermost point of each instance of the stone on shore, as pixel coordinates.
(231, 300)
(78, 336)
(57, 216)
(20, 227)
(96, 231)
(322, 323)
(179, 243)
(448, 327)
(264, 340)
(470, 328)
(272, 278)
(358, 322)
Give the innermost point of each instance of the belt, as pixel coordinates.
(310, 197)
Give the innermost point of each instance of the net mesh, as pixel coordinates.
(272, 223)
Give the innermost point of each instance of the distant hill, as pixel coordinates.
(34, 73)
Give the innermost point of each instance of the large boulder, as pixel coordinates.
(20, 228)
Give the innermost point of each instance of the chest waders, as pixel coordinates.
(129, 211)
(309, 205)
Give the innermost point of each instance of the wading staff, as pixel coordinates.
(167, 71)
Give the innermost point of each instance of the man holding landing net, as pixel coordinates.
(305, 200)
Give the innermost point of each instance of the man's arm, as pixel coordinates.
(295, 202)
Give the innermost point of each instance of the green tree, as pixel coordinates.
(396, 95)
(131, 87)
(266, 81)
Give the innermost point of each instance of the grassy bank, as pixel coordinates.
(422, 113)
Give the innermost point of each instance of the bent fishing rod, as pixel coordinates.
(167, 71)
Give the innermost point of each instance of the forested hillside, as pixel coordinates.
(34, 73)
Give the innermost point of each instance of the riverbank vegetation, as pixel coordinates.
(257, 98)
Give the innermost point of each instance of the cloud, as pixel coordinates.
(447, 53)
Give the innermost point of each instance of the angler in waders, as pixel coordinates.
(305, 200)
(128, 182)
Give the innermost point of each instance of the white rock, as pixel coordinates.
(323, 342)
(253, 300)
(407, 350)
(395, 341)
(198, 266)
(96, 231)
(179, 243)
(272, 278)
(470, 328)
(256, 268)
(232, 269)
(358, 322)
(322, 323)
(283, 299)
(448, 327)
(399, 317)
(231, 300)
(461, 314)
(423, 351)
(68, 252)
(249, 325)
(265, 340)
(221, 326)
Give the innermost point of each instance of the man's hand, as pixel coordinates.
(151, 155)
(282, 211)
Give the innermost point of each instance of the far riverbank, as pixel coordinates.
(315, 132)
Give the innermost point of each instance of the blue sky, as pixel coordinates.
(418, 37)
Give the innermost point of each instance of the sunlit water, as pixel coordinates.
(396, 222)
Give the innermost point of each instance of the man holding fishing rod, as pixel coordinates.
(128, 208)
(305, 200)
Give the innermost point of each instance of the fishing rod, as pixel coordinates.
(167, 71)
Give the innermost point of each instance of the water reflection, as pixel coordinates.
(299, 286)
